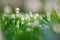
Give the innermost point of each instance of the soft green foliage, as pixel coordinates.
(16, 29)
(54, 17)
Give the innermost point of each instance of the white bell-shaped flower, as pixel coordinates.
(17, 10)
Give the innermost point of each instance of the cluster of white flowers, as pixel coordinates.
(7, 10)
(23, 17)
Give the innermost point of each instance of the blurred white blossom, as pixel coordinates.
(22, 18)
(13, 16)
(27, 17)
(18, 15)
(35, 23)
(17, 10)
(22, 22)
(7, 9)
(36, 15)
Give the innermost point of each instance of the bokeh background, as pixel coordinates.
(36, 6)
(31, 5)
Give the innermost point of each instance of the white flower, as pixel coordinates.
(35, 23)
(17, 10)
(36, 15)
(13, 16)
(18, 15)
(7, 10)
(22, 22)
(22, 18)
(27, 17)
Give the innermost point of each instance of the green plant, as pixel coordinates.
(24, 27)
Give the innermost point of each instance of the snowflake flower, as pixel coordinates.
(17, 10)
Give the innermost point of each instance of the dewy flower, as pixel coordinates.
(7, 10)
